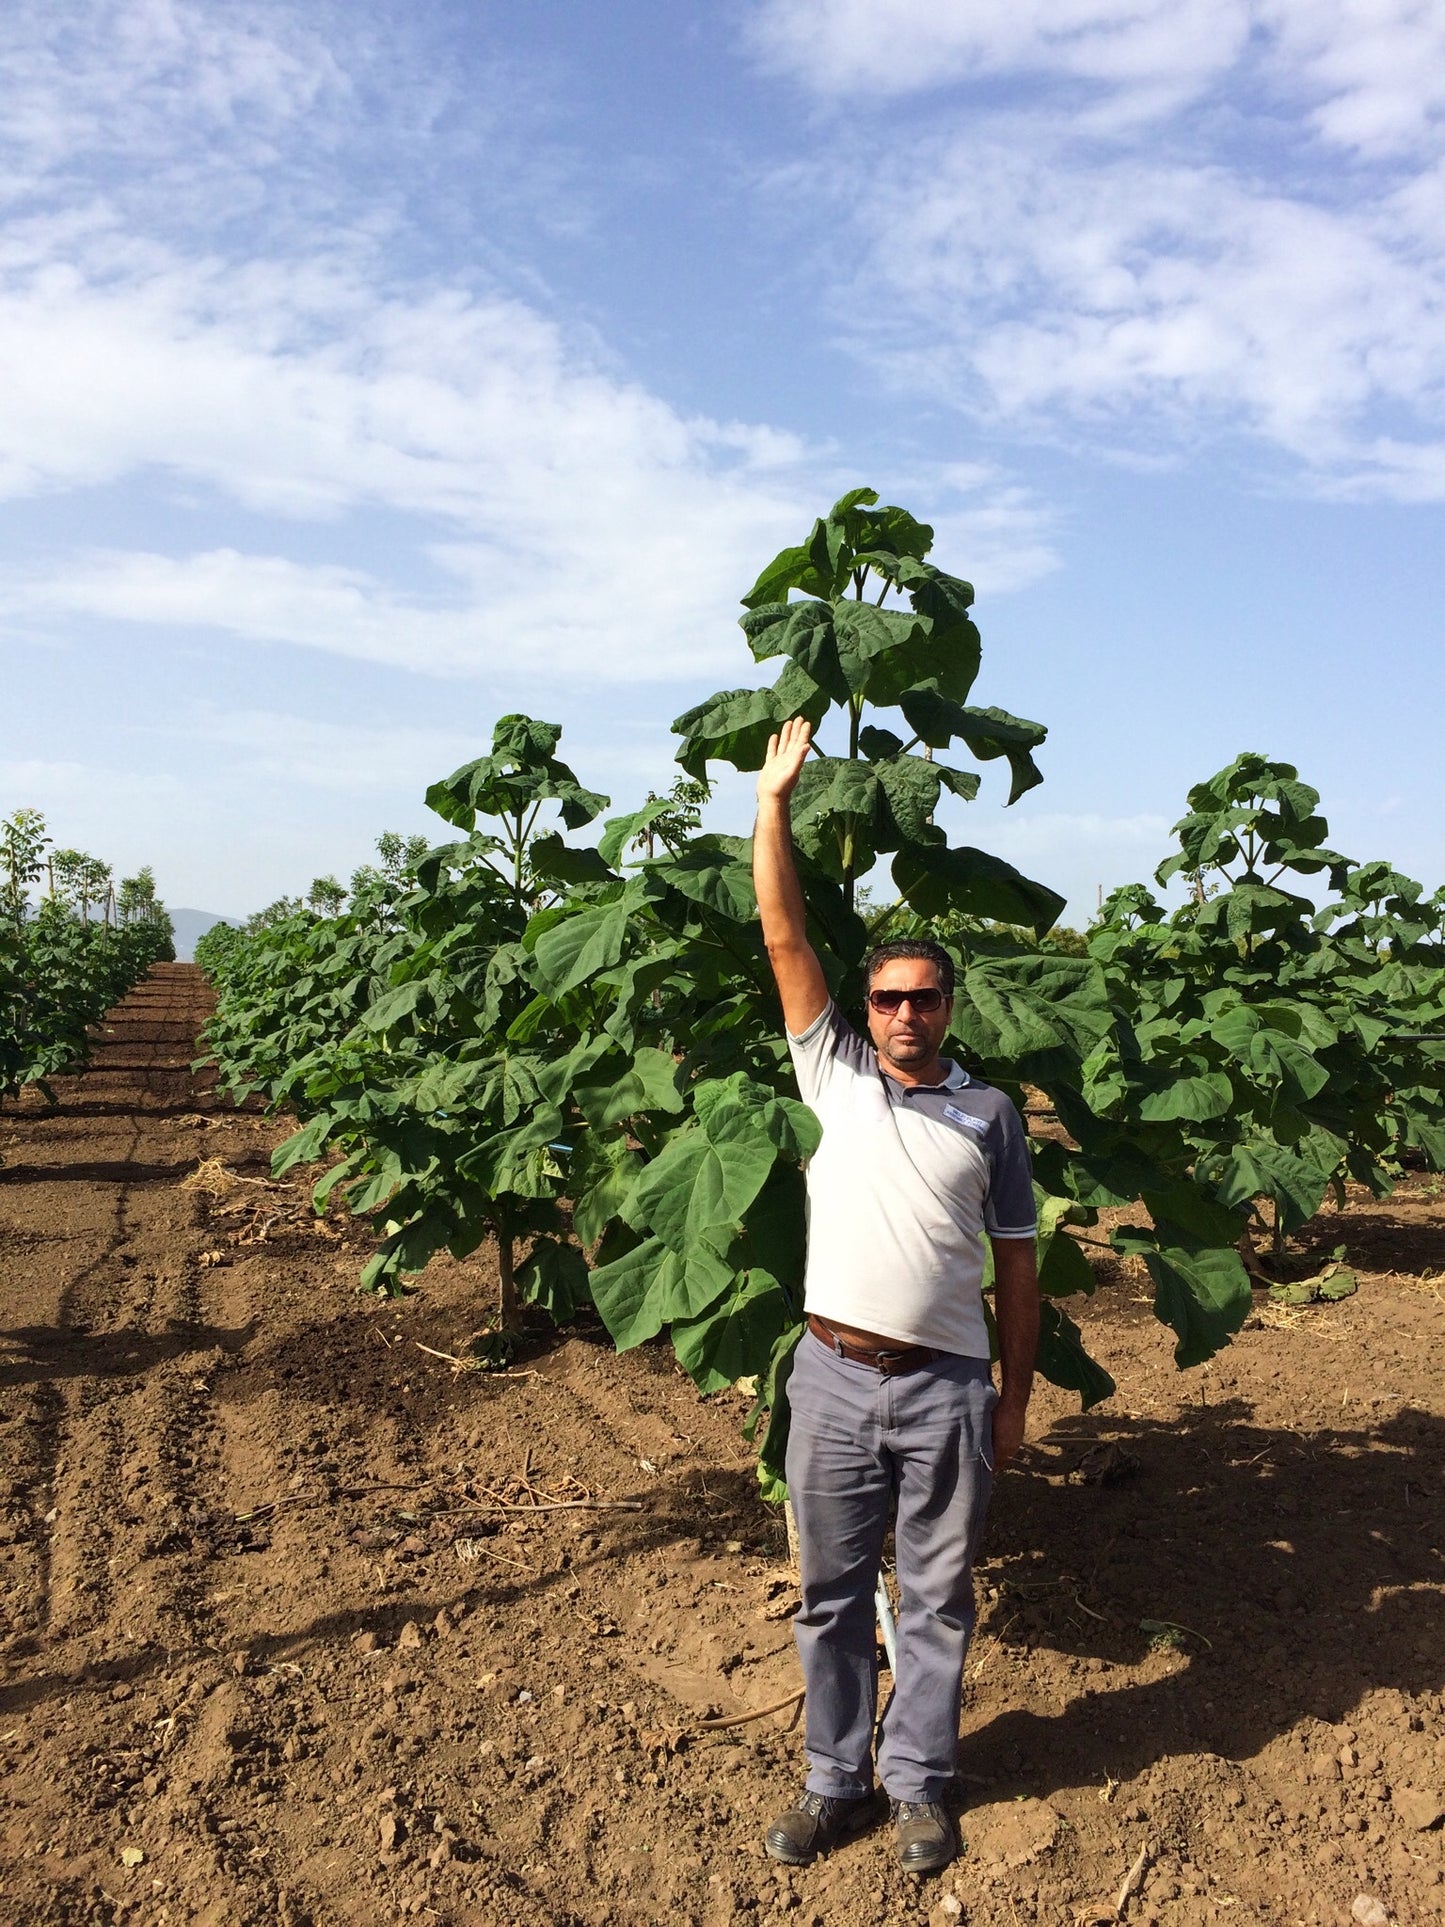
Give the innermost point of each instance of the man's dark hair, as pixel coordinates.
(913, 949)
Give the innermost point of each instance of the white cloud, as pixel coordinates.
(1172, 288)
(1375, 68)
(167, 93)
(48, 783)
(349, 758)
(1265, 257)
(1167, 49)
(1370, 73)
(561, 516)
(304, 389)
(545, 514)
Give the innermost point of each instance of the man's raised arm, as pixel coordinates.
(775, 877)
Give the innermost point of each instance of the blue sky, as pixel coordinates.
(372, 370)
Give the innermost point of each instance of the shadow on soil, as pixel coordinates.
(49, 1354)
(127, 1171)
(1291, 1573)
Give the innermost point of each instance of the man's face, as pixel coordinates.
(907, 1037)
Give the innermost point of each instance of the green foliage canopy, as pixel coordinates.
(577, 1051)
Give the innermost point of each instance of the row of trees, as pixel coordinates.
(397, 857)
(67, 954)
(74, 879)
(576, 1051)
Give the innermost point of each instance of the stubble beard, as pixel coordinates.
(908, 1056)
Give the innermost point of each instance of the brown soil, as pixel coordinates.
(271, 1651)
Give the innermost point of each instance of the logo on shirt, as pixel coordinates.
(978, 1124)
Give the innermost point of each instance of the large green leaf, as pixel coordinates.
(832, 789)
(714, 871)
(601, 1173)
(393, 1005)
(407, 1251)
(1262, 1168)
(728, 1341)
(1203, 1294)
(1184, 1208)
(734, 725)
(804, 632)
(772, 1399)
(570, 952)
(736, 1107)
(1062, 1359)
(989, 733)
(879, 651)
(633, 985)
(508, 1160)
(774, 1234)
(1192, 1098)
(1299, 1075)
(520, 772)
(622, 831)
(554, 1276)
(936, 881)
(640, 1292)
(303, 1146)
(557, 862)
(789, 569)
(649, 1083)
(910, 787)
(695, 1185)
(1064, 1271)
(1011, 1007)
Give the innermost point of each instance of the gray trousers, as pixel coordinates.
(858, 1443)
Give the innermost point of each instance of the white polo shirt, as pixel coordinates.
(901, 1190)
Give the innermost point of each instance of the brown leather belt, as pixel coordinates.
(887, 1360)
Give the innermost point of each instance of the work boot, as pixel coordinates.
(925, 1836)
(818, 1821)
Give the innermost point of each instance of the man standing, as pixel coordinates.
(891, 1392)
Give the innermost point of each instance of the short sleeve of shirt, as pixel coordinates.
(828, 1048)
(1009, 1211)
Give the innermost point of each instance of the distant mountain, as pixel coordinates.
(191, 925)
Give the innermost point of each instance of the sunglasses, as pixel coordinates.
(924, 1002)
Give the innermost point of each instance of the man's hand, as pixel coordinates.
(787, 752)
(1009, 1420)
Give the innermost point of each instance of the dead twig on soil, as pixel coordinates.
(272, 1505)
(795, 1700)
(470, 1364)
(546, 1505)
(323, 1498)
(1132, 1880)
(478, 1549)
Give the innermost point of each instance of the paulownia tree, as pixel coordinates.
(578, 1053)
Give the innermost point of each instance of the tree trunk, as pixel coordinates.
(506, 1266)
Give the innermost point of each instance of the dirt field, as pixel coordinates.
(272, 1650)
